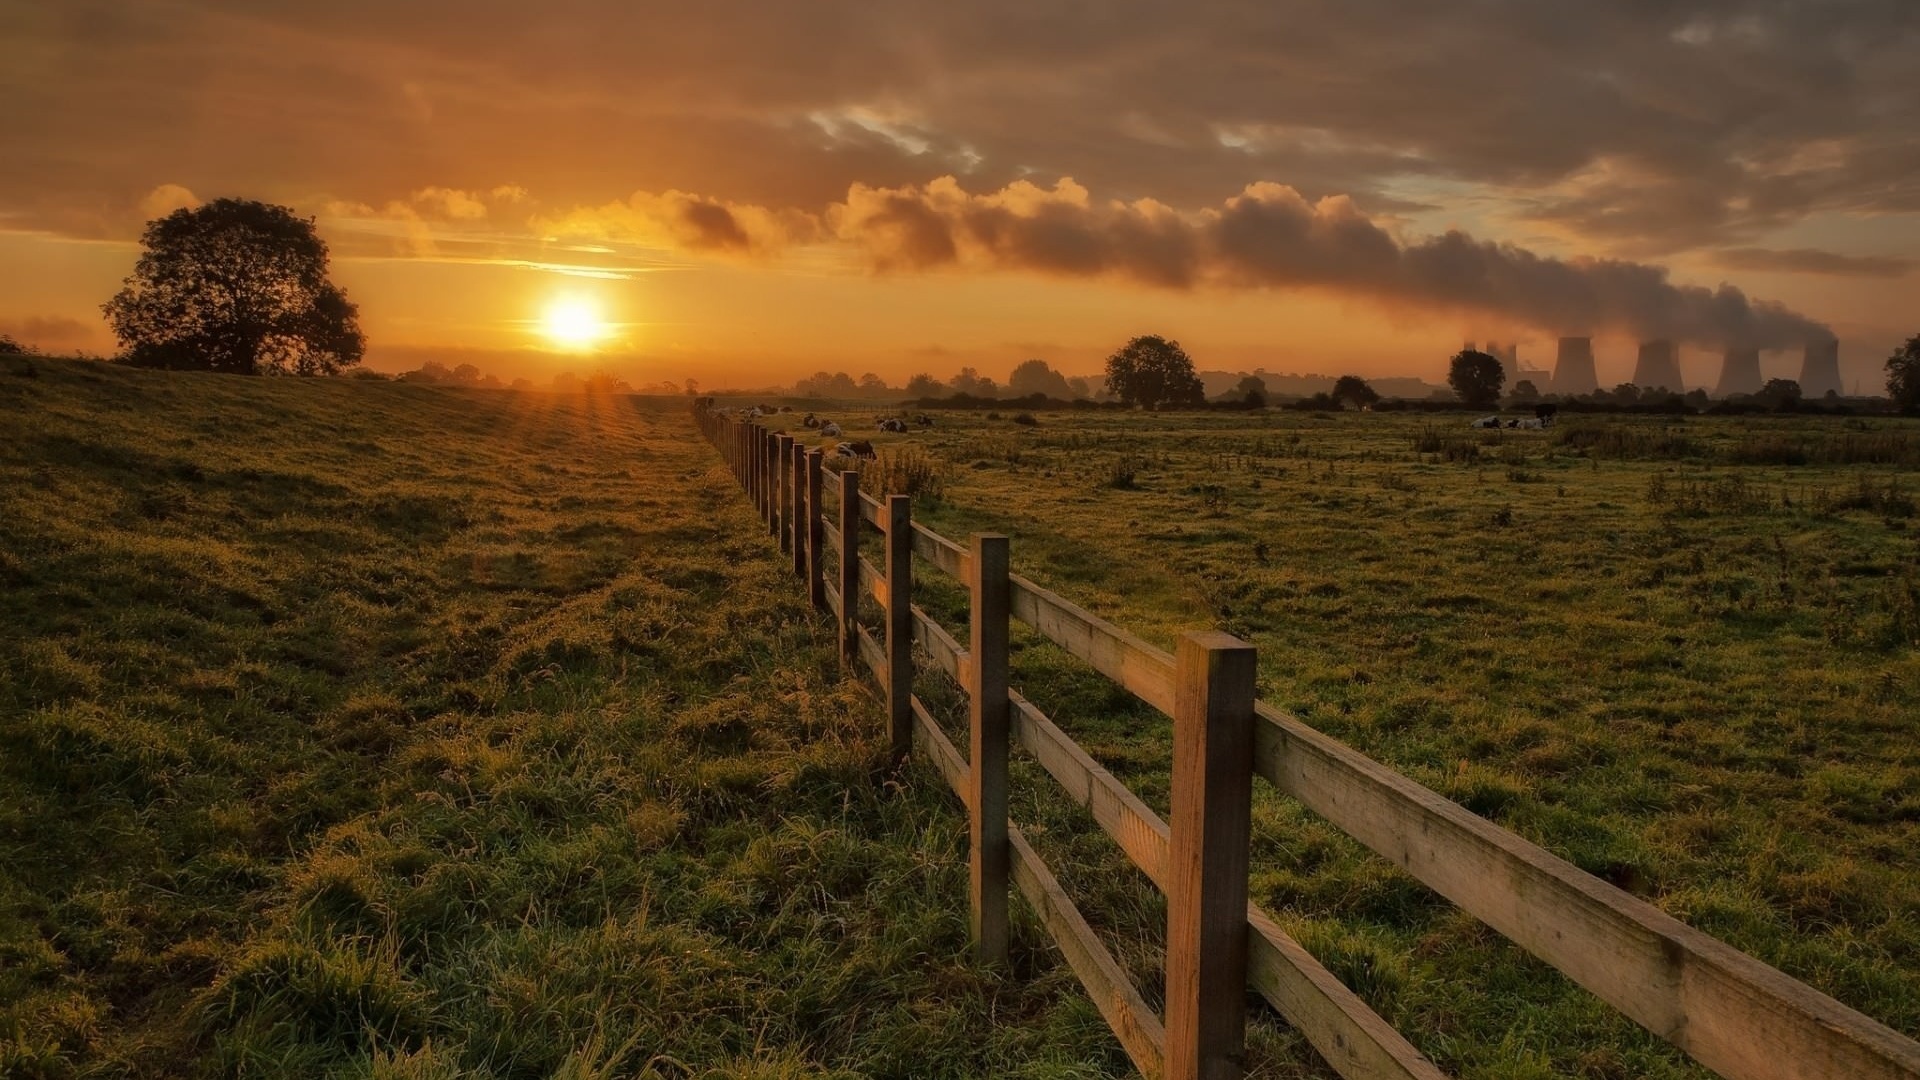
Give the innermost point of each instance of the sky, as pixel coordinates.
(744, 191)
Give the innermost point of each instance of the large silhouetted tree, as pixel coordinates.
(1903, 376)
(235, 286)
(1151, 371)
(1476, 377)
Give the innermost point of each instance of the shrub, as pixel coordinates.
(1025, 419)
(910, 471)
(1124, 470)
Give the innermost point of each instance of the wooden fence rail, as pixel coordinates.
(1737, 1016)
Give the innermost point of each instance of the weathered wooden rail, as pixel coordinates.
(1735, 1015)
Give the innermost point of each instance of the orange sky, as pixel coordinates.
(752, 191)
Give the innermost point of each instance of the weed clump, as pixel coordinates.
(910, 470)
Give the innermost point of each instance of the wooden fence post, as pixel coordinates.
(849, 565)
(987, 725)
(797, 520)
(816, 534)
(900, 624)
(783, 490)
(1207, 858)
(768, 506)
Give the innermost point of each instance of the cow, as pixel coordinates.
(1536, 423)
(862, 450)
(830, 429)
(893, 425)
(1486, 422)
(811, 421)
(923, 420)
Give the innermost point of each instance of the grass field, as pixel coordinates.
(365, 729)
(361, 729)
(1679, 654)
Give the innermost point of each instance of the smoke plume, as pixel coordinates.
(1268, 236)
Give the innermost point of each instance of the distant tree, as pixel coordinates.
(433, 371)
(1782, 394)
(235, 286)
(969, 381)
(1697, 398)
(1476, 377)
(1151, 371)
(1903, 376)
(924, 385)
(605, 382)
(466, 374)
(523, 384)
(1354, 392)
(1080, 388)
(10, 347)
(693, 387)
(874, 386)
(567, 383)
(1524, 390)
(1037, 377)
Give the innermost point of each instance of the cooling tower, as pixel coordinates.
(1658, 367)
(1820, 371)
(1573, 372)
(1739, 372)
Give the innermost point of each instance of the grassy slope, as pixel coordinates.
(1702, 687)
(367, 729)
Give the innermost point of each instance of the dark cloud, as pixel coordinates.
(1812, 261)
(1636, 127)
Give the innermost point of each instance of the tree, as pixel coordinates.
(1782, 394)
(924, 385)
(874, 386)
(10, 347)
(1524, 390)
(1037, 377)
(1903, 376)
(1353, 391)
(1079, 388)
(1151, 371)
(235, 286)
(1476, 377)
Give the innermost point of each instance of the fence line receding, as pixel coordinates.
(1733, 1014)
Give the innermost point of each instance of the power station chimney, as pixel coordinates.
(1820, 371)
(1658, 367)
(1740, 372)
(1573, 372)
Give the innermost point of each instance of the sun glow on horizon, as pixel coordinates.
(575, 322)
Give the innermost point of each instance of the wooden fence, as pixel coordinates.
(1735, 1015)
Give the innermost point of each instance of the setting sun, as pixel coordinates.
(574, 323)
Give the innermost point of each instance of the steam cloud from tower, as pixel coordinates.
(1269, 236)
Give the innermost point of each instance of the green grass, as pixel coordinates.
(1681, 655)
(363, 729)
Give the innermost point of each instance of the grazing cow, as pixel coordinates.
(862, 450)
(893, 425)
(830, 429)
(923, 420)
(811, 421)
(1486, 422)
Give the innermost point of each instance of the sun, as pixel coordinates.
(574, 322)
